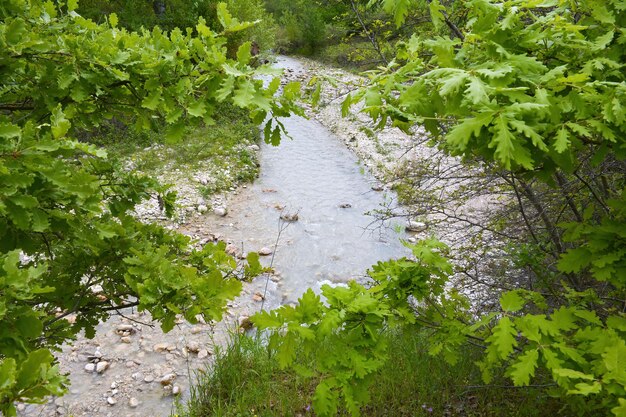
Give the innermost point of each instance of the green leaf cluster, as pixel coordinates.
(69, 243)
(532, 90)
(337, 336)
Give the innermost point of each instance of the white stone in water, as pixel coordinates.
(176, 390)
(415, 226)
(111, 401)
(203, 353)
(265, 251)
(133, 402)
(148, 378)
(167, 379)
(90, 367)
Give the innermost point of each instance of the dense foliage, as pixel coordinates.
(170, 14)
(69, 244)
(532, 90)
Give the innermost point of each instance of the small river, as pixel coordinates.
(315, 175)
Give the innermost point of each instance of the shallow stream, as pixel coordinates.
(314, 175)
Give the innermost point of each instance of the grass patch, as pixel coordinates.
(246, 381)
(221, 151)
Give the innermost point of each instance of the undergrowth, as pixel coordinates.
(221, 150)
(245, 380)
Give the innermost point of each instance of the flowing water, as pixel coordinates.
(314, 175)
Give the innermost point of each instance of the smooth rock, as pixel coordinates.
(160, 347)
(90, 367)
(231, 249)
(203, 353)
(102, 366)
(133, 402)
(258, 296)
(176, 390)
(202, 208)
(167, 379)
(96, 289)
(415, 226)
(220, 211)
(126, 339)
(111, 401)
(377, 187)
(265, 251)
(125, 328)
(193, 346)
(148, 379)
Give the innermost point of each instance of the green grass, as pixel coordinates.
(220, 149)
(246, 381)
